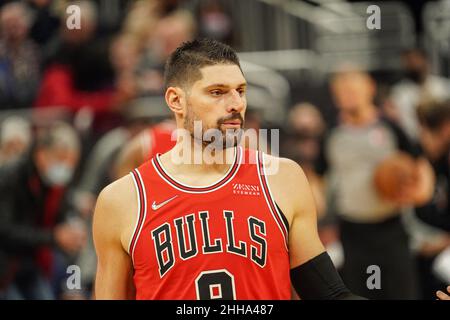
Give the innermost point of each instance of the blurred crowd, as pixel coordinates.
(72, 121)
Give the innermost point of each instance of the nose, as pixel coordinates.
(236, 102)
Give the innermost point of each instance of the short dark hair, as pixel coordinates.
(184, 64)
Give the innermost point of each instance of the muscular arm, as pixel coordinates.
(112, 224)
(293, 194)
(312, 272)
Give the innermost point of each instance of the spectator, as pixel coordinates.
(215, 22)
(124, 54)
(79, 74)
(169, 33)
(141, 19)
(32, 219)
(418, 87)
(19, 59)
(46, 21)
(435, 138)
(434, 122)
(306, 128)
(307, 125)
(15, 138)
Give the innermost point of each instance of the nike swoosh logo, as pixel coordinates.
(156, 206)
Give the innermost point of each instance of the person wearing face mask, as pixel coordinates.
(33, 224)
(169, 32)
(418, 87)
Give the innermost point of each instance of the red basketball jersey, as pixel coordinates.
(227, 240)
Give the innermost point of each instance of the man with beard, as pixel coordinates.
(209, 219)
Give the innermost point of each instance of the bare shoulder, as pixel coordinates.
(117, 195)
(288, 184)
(116, 210)
(284, 170)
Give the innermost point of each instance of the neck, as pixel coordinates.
(191, 156)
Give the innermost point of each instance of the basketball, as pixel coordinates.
(393, 174)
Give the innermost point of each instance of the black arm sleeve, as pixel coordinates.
(318, 279)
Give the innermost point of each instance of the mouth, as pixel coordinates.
(234, 126)
(232, 123)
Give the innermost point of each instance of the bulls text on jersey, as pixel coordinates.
(163, 239)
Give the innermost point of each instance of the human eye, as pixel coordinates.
(241, 92)
(216, 92)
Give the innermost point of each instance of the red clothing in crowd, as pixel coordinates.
(58, 89)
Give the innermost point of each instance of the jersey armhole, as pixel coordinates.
(140, 215)
(278, 215)
(283, 216)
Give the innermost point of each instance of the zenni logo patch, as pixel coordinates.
(246, 189)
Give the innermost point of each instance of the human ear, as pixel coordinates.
(174, 99)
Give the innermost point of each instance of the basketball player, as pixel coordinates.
(211, 231)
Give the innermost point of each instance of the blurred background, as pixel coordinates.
(365, 112)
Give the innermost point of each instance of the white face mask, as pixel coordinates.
(58, 174)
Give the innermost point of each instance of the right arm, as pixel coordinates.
(313, 275)
(112, 227)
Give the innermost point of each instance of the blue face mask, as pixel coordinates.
(58, 174)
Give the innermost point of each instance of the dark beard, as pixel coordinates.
(230, 137)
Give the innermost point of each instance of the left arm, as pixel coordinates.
(313, 274)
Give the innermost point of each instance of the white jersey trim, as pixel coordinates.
(237, 161)
(138, 215)
(144, 213)
(268, 198)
